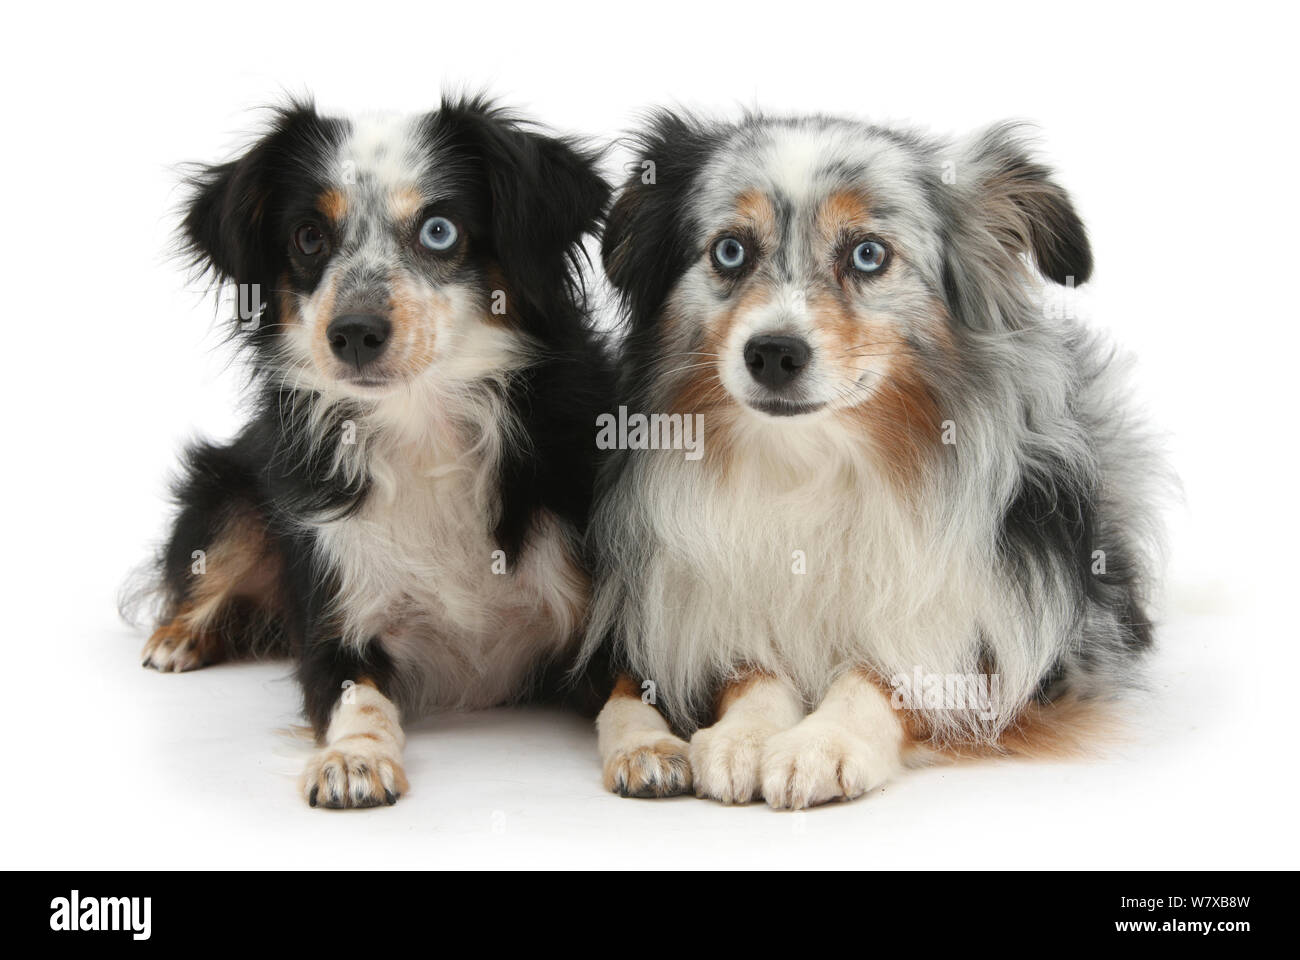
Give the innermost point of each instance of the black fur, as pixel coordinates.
(645, 246)
(541, 195)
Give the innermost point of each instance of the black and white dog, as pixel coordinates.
(404, 511)
(922, 522)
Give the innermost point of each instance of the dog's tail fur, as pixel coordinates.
(1071, 728)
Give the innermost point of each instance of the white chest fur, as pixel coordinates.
(803, 564)
(419, 573)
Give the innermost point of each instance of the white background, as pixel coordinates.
(1173, 128)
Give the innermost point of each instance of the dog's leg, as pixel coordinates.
(641, 756)
(725, 757)
(223, 590)
(850, 744)
(360, 763)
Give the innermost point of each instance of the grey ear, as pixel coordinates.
(1017, 200)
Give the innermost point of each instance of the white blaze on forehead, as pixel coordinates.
(791, 160)
(784, 160)
(782, 163)
(382, 149)
(378, 165)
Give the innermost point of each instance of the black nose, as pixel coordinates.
(358, 338)
(776, 361)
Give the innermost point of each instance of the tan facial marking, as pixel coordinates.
(333, 203)
(405, 203)
(702, 390)
(320, 347)
(842, 211)
(414, 332)
(754, 209)
(900, 415)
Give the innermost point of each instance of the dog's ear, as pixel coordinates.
(221, 218)
(646, 244)
(544, 193)
(227, 218)
(1016, 200)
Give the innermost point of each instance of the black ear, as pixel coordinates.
(645, 247)
(1024, 208)
(228, 217)
(544, 192)
(221, 226)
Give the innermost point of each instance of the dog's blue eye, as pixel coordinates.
(729, 253)
(869, 256)
(438, 233)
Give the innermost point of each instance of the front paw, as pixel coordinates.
(815, 762)
(175, 648)
(354, 776)
(726, 762)
(659, 769)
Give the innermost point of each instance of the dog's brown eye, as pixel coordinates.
(309, 240)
